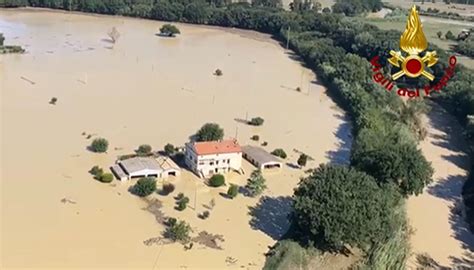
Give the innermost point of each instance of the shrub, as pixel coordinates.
(210, 132)
(53, 101)
(171, 221)
(256, 183)
(169, 149)
(449, 35)
(298, 89)
(144, 150)
(256, 121)
(178, 231)
(302, 160)
(167, 188)
(440, 34)
(169, 30)
(326, 10)
(106, 178)
(218, 72)
(204, 215)
(181, 205)
(217, 180)
(279, 153)
(233, 191)
(96, 171)
(255, 138)
(99, 145)
(265, 143)
(144, 186)
(180, 196)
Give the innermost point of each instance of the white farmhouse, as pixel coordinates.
(208, 158)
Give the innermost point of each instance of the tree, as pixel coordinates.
(326, 10)
(106, 178)
(96, 171)
(182, 203)
(233, 191)
(218, 72)
(302, 160)
(144, 150)
(169, 30)
(256, 121)
(401, 164)
(279, 153)
(440, 34)
(338, 205)
(167, 188)
(217, 180)
(114, 35)
(210, 132)
(144, 186)
(449, 35)
(256, 183)
(169, 149)
(178, 231)
(53, 101)
(267, 3)
(99, 145)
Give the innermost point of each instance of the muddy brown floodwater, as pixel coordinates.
(144, 90)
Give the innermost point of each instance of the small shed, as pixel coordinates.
(168, 167)
(260, 157)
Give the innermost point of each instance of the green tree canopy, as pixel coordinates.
(402, 164)
(144, 186)
(210, 132)
(169, 30)
(256, 183)
(99, 145)
(336, 205)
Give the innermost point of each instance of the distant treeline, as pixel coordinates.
(386, 129)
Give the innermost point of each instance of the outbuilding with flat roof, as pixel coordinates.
(137, 167)
(260, 158)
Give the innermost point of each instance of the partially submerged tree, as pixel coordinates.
(178, 231)
(279, 153)
(144, 186)
(99, 145)
(233, 191)
(169, 30)
(114, 34)
(337, 206)
(217, 180)
(256, 121)
(210, 132)
(302, 160)
(256, 183)
(169, 149)
(144, 150)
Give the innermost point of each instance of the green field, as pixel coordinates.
(430, 27)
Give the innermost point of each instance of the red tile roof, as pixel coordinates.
(217, 147)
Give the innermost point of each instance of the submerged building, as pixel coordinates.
(137, 167)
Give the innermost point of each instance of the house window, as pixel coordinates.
(228, 161)
(212, 163)
(201, 163)
(217, 162)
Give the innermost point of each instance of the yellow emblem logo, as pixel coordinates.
(413, 42)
